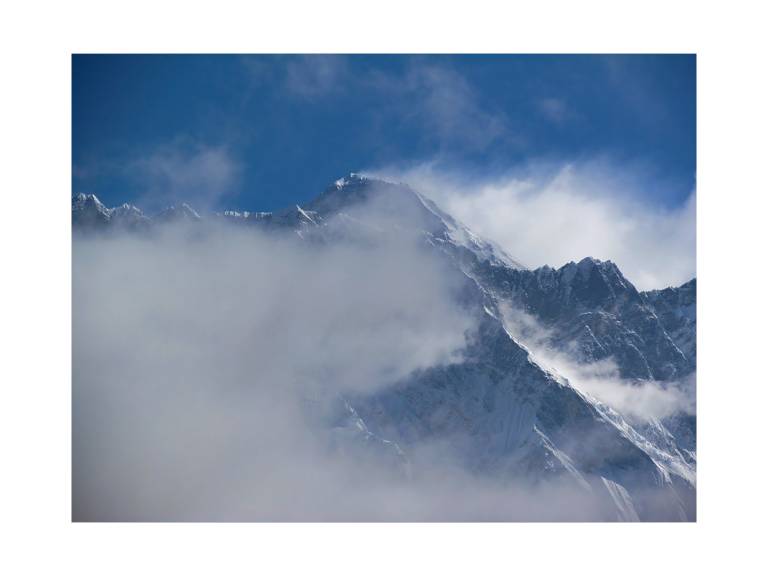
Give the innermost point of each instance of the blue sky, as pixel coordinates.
(265, 132)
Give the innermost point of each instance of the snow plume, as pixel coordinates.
(638, 401)
(553, 213)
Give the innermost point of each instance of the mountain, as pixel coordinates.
(591, 309)
(182, 213)
(501, 411)
(88, 213)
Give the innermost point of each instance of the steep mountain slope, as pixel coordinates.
(676, 310)
(593, 311)
(499, 411)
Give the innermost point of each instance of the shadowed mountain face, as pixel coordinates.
(88, 213)
(676, 310)
(499, 411)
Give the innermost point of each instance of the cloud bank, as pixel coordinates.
(195, 356)
(548, 213)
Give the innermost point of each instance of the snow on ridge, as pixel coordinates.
(351, 177)
(461, 235)
(304, 213)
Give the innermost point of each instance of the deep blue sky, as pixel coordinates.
(264, 132)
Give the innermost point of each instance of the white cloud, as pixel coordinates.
(194, 356)
(451, 106)
(552, 214)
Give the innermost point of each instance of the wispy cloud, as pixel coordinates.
(552, 213)
(445, 103)
(196, 173)
(304, 76)
(437, 98)
(315, 75)
(450, 105)
(553, 109)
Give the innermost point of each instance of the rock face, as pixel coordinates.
(676, 310)
(499, 411)
(592, 310)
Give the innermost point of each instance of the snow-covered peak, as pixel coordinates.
(352, 178)
(183, 212)
(591, 269)
(189, 211)
(88, 201)
(126, 210)
(89, 212)
(403, 207)
(587, 264)
(347, 192)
